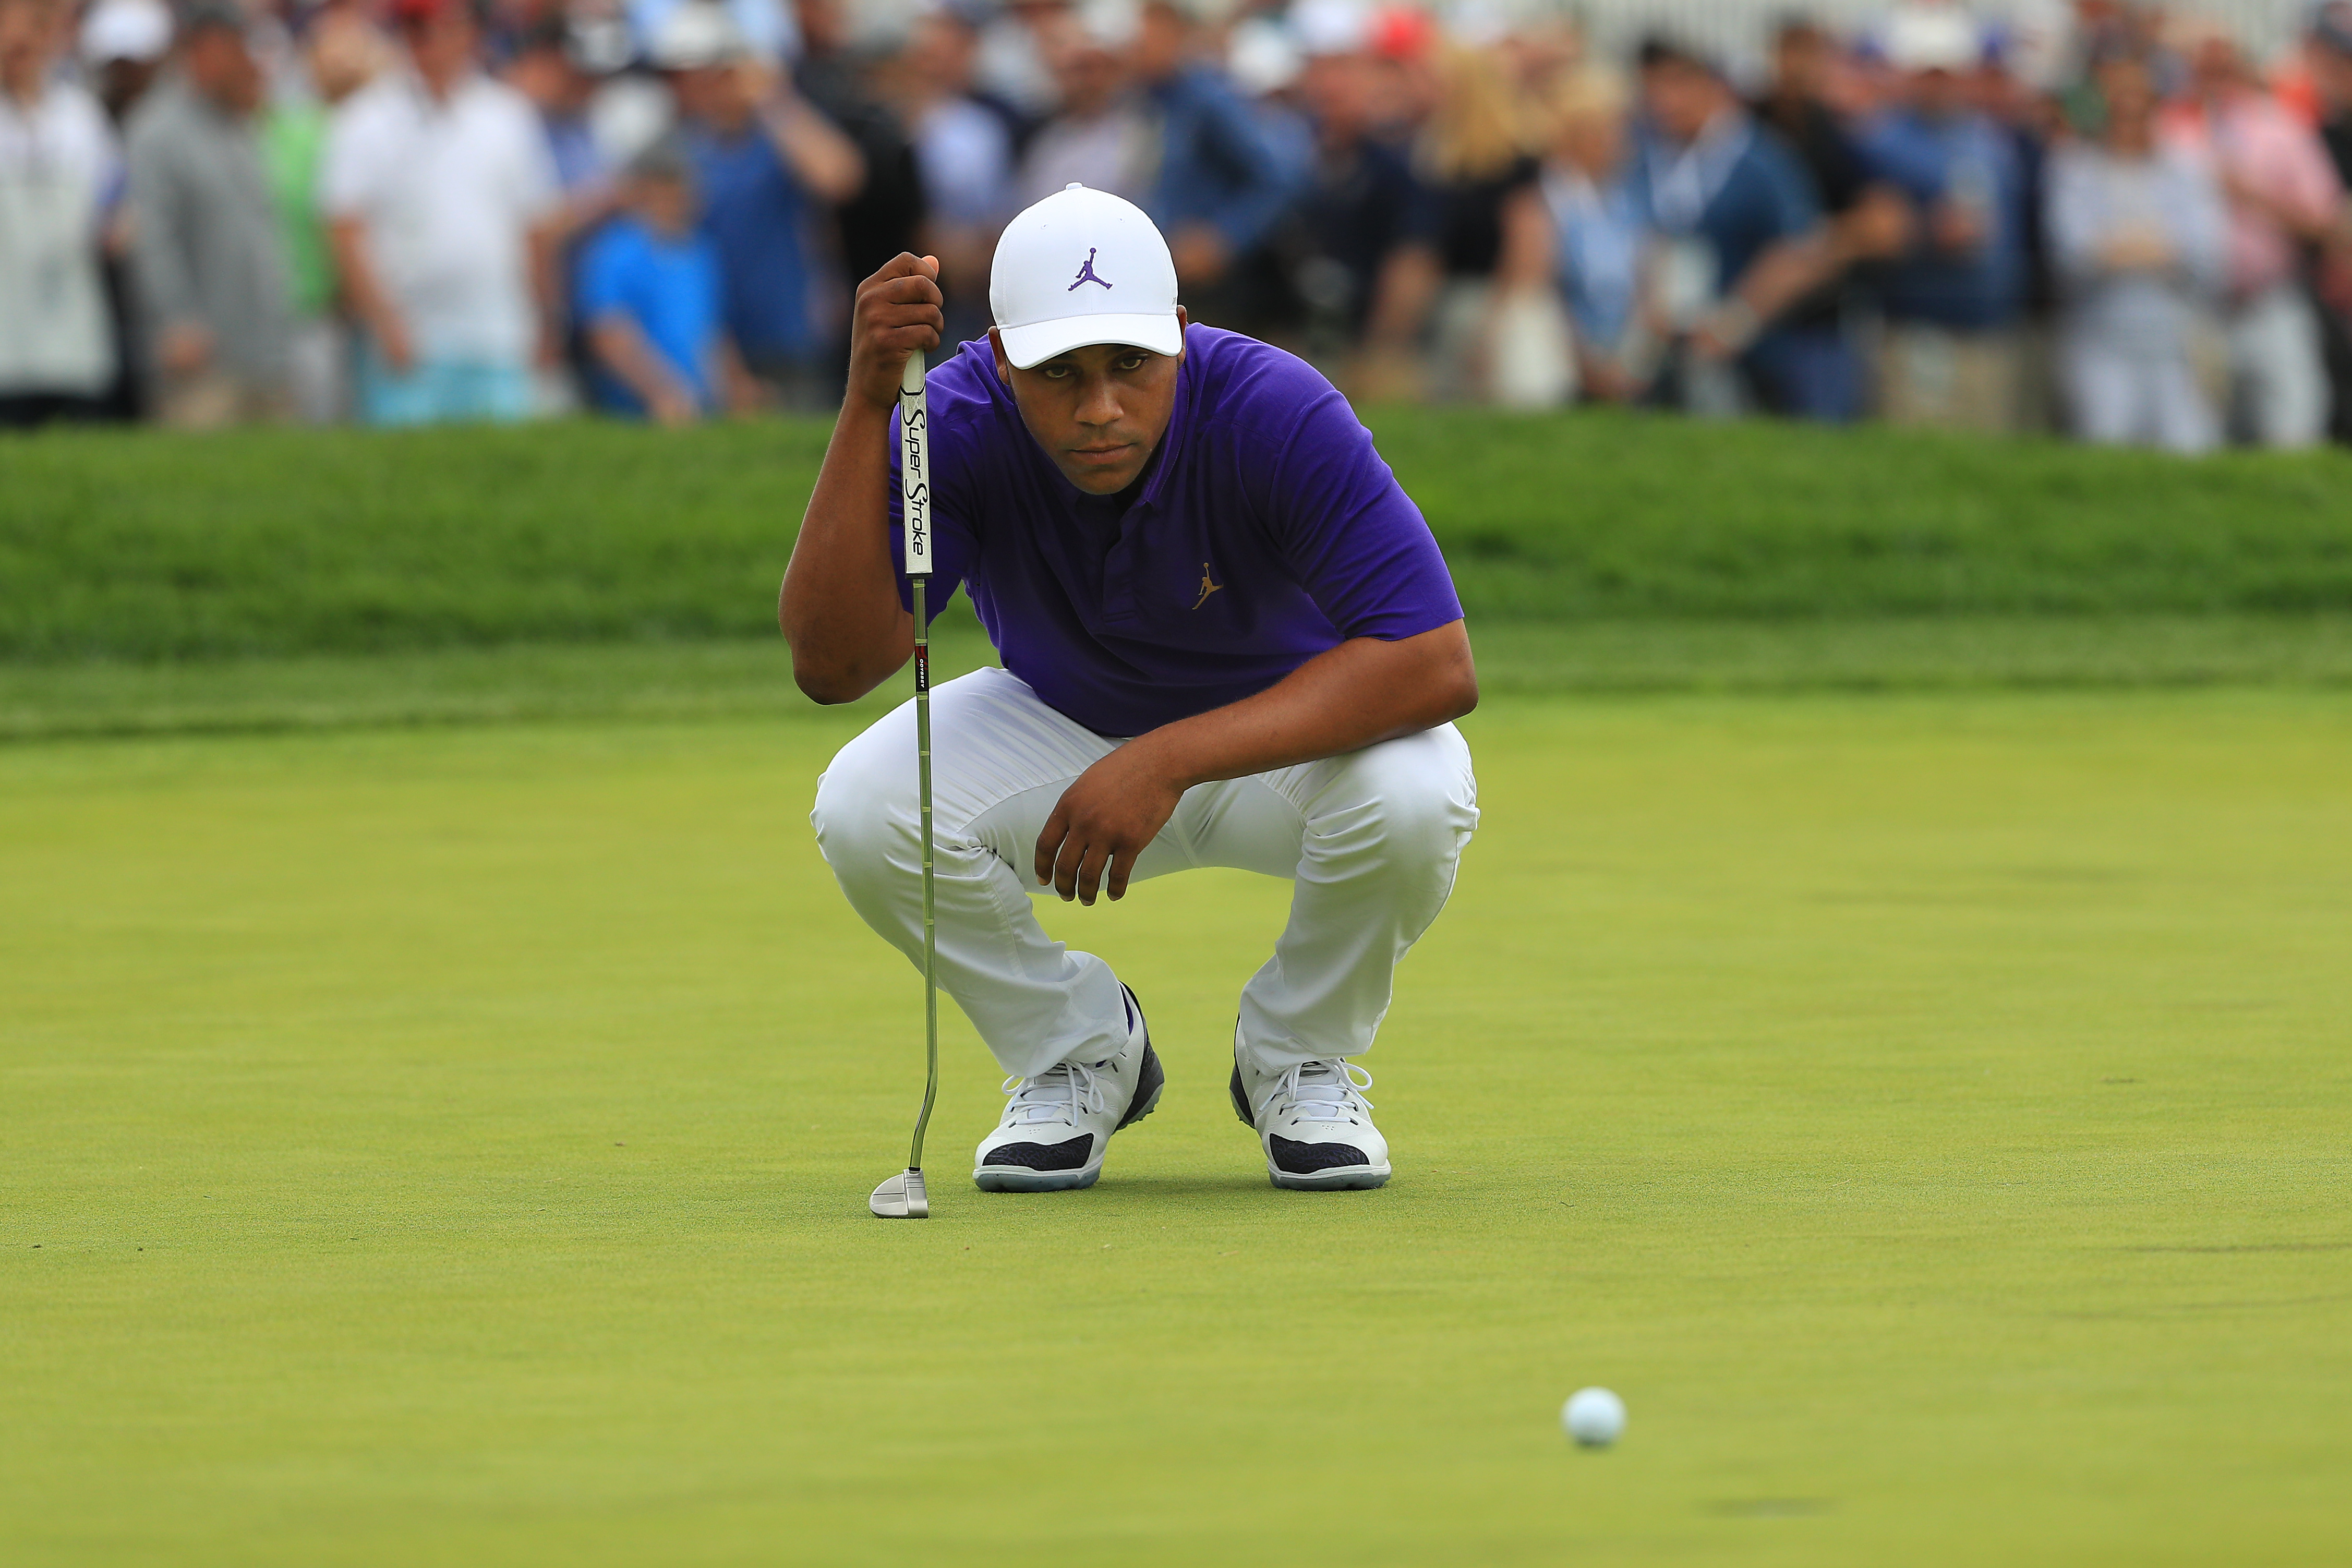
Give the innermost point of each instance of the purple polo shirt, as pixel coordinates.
(1264, 530)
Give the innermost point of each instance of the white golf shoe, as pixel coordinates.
(1057, 1125)
(1314, 1123)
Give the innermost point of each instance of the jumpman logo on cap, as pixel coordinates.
(1086, 274)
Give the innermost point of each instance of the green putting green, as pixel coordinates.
(1928, 1112)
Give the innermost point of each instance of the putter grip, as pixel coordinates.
(915, 465)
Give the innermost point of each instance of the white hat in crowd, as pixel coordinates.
(126, 30)
(1109, 25)
(1331, 28)
(696, 35)
(1082, 267)
(1933, 38)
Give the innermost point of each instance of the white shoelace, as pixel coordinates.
(1324, 1090)
(1057, 1094)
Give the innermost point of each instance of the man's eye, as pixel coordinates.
(1057, 373)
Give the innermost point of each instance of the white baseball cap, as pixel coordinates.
(1082, 267)
(137, 30)
(698, 35)
(1933, 38)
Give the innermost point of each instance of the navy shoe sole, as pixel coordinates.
(1339, 1179)
(1150, 1079)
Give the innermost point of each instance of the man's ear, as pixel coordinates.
(1183, 320)
(1003, 365)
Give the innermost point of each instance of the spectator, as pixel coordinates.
(1474, 155)
(1587, 240)
(1867, 217)
(2137, 235)
(2328, 52)
(561, 65)
(212, 279)
(1364, 235)
(885, 217)
(964, 153)
(558, 66)
(341, 54)
(651, 302)
(1954, 301)
(1099, 137)
(123, 45)
(2283, 194)
(1741, 240)
(1223, 180)
(768, 28)
(59, 178)
(766, 165)
(1010, 65)
(440, 198)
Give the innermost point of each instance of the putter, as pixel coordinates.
(903, 1195)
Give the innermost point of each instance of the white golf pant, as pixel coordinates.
(1369, 840)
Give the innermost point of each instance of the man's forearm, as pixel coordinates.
(622, 348)
(1359, 694)
(347, 238)
(839, 608)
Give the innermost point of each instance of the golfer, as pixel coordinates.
(1228, 639)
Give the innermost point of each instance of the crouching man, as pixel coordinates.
(1228, 639)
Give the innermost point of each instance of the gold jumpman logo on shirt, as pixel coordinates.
(1207, 587)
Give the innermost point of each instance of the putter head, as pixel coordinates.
(901, 1197)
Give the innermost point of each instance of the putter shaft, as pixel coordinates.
(930, 930)
(915, 475)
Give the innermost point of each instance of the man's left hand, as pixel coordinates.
(1102, 823)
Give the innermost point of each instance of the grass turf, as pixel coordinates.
(751, 675)
(148, 546)
(451, 1145)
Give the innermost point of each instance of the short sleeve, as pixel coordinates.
(603, 279)
(537, 189)
(347, 166)
(1359, 544)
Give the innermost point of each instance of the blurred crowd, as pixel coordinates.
(2115, 221)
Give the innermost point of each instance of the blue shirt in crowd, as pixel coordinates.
(753, 210)
(1737, 188)
(1264, 531)
(1970, 161)
(1219, 163)
(1599, 239)
(668, 285)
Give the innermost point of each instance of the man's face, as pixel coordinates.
(224, 70)
(27, 30)
(2331, 68)
(1939, 94)
(2130, 96)
(1089, 74)
(1800, 62)
(442, 45)
(666, 204)
(1338, 91)
(1099, 412)
(716, 96)
(2216, 66)
(1680, 97)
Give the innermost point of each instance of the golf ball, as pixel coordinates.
(1593, 1417)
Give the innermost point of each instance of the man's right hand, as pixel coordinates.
(391, 341)
(898, 312)
(185, 348)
